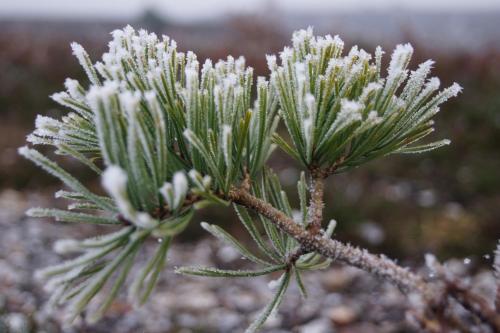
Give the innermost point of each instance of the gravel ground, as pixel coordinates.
(341, 299)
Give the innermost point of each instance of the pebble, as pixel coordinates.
(342, 315)
(18, 323)
(336, 279)
(321, 325)
(196, 301)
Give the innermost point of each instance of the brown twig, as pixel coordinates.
(378, 265)
(454, 288)
(315, 212)
(473, 302)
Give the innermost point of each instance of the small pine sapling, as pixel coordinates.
(168, 137)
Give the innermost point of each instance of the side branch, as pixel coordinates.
(315, 215)
(380, 266)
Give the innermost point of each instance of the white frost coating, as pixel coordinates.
(23, 151)
(84, 60)
(167, 191)
(301, 36)
(444, 95)
(433, 84)
(350, 112)
(114, 180)
(400, 58)
(239, 64)
(63, 246)
(307, 123)
(262, 83)
(271, 62)
(150, 96)
(37, 140)
(369, 91)
(452, 91)
(310, 102)
(373, 118)
(74, 88)
(300, 71)
(191, 60)
(378, 58)
(61, 98)
(130, 101)
(430, 87)
(78, 51)
(207, 67)
(197, 179)
(286, 55)
(144, 220)
(191, 79)
(180, 184)
(417, 79)
(98, 94)
(174, 193)
(47, 126)
(207, 181)
(226, 144)
(117, 34)
(351, 107)
(230, 81)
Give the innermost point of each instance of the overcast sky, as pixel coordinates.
(204, 9)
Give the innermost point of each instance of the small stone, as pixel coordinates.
(342, 315)
(242, 300)
(227, 254)
(224, 320)
(197, 300)
(316, 326)
(18, 323)
(336, 279)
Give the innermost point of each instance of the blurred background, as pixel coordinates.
(446, 202)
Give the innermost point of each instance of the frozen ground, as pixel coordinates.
(341, 299)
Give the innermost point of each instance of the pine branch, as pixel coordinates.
(453, 287)
(380, 266)
(174, 138)
(315, 214)
(316, 204)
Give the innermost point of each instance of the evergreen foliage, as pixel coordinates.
(168, 137)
